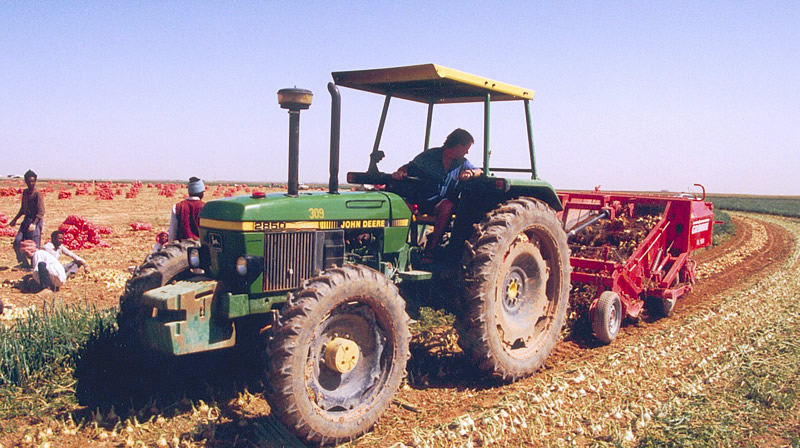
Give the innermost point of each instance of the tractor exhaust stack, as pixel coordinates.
(294, 100)
(336, 124)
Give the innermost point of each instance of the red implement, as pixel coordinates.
(637, 246)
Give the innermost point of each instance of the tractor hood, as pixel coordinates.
(317, 210)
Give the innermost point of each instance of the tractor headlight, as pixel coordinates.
(248, 268)
(241, 266)
(194, 257)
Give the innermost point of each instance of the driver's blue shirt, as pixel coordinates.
(440, 183)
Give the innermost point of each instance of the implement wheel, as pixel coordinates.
(339, 354)
(661, 307)
(517, 281)
(607, 317)
(667, 305)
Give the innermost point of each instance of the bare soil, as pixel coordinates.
(442, 384)
(456, 392)
(109, 267)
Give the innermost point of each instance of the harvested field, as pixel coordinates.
(675, 380)
(129, 241)
(606, 394)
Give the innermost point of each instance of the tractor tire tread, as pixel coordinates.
(489, 239)
(296, 318)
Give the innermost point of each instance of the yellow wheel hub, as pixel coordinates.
(341, 355)
(513, 289)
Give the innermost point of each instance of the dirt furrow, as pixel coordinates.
(758, 248)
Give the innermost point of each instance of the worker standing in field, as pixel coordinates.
(32, 210)
(184, 222)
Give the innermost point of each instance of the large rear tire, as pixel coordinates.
(351, 315)
(516, 289)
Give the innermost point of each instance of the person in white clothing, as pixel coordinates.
(47, 271)
(56, 248)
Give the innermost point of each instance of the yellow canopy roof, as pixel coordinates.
(430, 83)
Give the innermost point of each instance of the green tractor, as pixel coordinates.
(317, 276)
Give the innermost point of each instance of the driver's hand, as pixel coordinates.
(400, 174)
(469, 174)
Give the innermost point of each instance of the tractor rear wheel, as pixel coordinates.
(516, 288)
(339, 354)
(607, 317)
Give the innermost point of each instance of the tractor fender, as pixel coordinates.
(537, 189)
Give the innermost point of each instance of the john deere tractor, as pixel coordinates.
(315, 275)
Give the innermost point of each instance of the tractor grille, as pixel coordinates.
(288, 259)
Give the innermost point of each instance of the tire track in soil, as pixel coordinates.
(442, 403)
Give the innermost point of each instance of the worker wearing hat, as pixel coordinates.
(184, 223)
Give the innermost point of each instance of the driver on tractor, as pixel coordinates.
(440, 170)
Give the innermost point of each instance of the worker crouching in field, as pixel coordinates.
(56, 249)
(48, 272)
(161, 240)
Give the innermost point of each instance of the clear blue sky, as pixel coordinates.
(634, 95)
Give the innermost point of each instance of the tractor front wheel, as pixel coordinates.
(339, 354)
(158, 269)
(517, 281)
(114, 367)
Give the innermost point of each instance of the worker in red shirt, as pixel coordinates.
(184, 223)
(32, 211)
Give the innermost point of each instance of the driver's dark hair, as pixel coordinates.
(458, 137)
(55, 232)
(30, 175)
